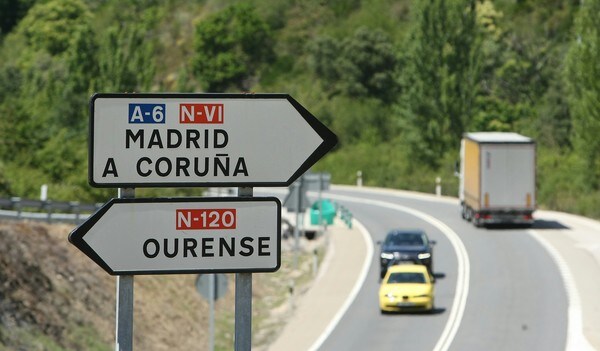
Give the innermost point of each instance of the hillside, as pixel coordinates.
(398, 81)
(53, 298)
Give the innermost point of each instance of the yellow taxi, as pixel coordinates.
(406, 288)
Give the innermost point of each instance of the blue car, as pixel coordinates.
(406, 246)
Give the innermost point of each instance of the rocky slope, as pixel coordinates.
(53, 297)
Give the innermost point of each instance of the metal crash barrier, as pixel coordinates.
(50, 211)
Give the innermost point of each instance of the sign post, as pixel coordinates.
(211, 307)
(243, 300)
(194, 140)
(299, 221)
(124, 306)
(213, 287)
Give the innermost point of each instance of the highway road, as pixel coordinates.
(497, 289)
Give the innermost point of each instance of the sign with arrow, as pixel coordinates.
(192, 140)
(183, 235)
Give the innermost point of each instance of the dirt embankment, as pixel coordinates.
(53, 297)
(50, 295)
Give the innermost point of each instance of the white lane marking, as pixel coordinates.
(357, 285)
(326, 262)
(355, 289)
(462, 279)
(576, 341)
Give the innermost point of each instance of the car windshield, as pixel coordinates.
(405, 239)
(406, 277)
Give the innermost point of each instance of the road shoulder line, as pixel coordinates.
(355, 289)
(576, 341)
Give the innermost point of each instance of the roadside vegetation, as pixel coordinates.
(398, 81)
(54, 298)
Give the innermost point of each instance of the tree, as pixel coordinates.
(230, 47)
(324, 53)
(440, 76)
(362, 65)
(49, 25)
(125, 59)
(11, 11)
(583, 77)
(37, 70)
(39, 96)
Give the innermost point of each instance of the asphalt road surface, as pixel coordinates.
(496, 289)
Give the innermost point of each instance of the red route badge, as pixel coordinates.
(198, 219)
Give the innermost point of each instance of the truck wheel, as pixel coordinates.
(469, 214)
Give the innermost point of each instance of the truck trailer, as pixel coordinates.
(497, 178)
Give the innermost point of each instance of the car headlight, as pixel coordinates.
(387, 255)
(424, 295)
(390, 295)
(423, 255)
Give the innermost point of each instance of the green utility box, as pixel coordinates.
(328, 209)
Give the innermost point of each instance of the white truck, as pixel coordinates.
(497, 178)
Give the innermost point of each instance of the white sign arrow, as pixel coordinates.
(185, 235)
(165, 140)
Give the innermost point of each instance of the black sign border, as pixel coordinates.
(77, 235)
(329, 139)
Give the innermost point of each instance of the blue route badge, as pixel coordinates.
(147, 114)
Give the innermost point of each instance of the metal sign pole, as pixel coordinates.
(243, 300)
(321, 203)
(299, 220)
(124, 329)
(211, 323)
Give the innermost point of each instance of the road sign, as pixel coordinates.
(308, 182)
(183, 235)
(219, 285)
(291, 201)
(171, 140)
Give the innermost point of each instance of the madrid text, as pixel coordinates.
(186, 165)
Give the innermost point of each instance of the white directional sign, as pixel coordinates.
(183, 235)
(162, 140)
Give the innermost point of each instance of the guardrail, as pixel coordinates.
(50, 211)
(75, 212)
(346, 216)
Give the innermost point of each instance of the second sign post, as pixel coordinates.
(194, 140)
